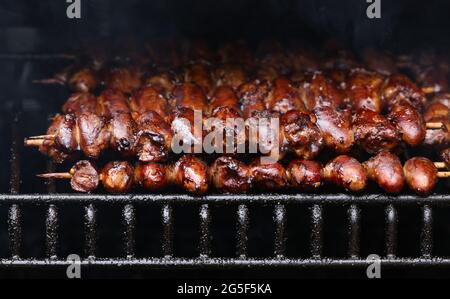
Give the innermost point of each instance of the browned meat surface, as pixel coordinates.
(346, 172)
(386, 170)
(319, 91)
(304, 175)
(189, 95)
(409, 122)
(421, 175)
(230, 175)
(94, 135)
(85, 177)
(112, 102)
(284, 97)
(191, 174)
(267, 176)
(117, 177)
(374, 133)
(364, 90)
(80, 102)
(83, 80)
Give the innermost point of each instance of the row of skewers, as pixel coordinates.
(342, 108)
(229, 175)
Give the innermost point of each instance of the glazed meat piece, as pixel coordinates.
(438, 138)
(421, 175)
(187, 131)
(302, 136)
(83, 80)
(253, 97)
(409, 122)
(284, 97)
(336, 128)
(154, 137)
(265, 135)
(112, 102)
(230, 75)
(387, 171)
(345, 172)
(150, 99)
(374, 133)
(153, 177)
(304, 175)
(364, 90)
(125, 80)
(123, 134)
(117, 177)
(319, 91)
(200, 75)
(191, 174)
(267, 176)
(399, 87)
(163, 82)
(85, 177)
(62, 127)
(229, 175)
(224, 96)
(80, 102)
(94, 135)
(226, 131)
(189, 95)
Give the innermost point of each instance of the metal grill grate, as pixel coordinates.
(52, 201)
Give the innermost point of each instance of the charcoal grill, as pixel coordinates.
(18, 201)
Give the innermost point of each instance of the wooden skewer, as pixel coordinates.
(435, 125)
(42, 137)
(61, 176)
(444, 174)
(440, 165)
(428, 89)
(33, 142)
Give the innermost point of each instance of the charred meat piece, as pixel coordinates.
(229, 175)
(386, 170)
(284, 97)
(150, 99)
(409, 122)
(301, 135)
(112, 102)
(94, 134)
(117, 177)
(123, 134)
(374, 133)
(230, 75)
(319, 91)
(154, 137)
(399, 87)
(421, 175)
(336, 128)
(190, 95)
(224, 96)
(85, 177)
(267, 176)
(80, 102)
(346, 172)
(364, 90)
(304, 175)
(253, 96)
(191, 174)
(153, 177)
(200, 74)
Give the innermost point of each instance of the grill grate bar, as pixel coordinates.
(167, 222)
(51, 232)
(15, 230)
(354, 231)
(391, 231)
(316, 231)
(205, 237)
(242, 230)
(129, 218)
(90, 222)
(280, 233)
(426, 236)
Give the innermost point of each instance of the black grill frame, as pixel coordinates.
(52, 201)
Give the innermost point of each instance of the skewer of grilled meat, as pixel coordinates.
(81, 80)
(119, 177)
